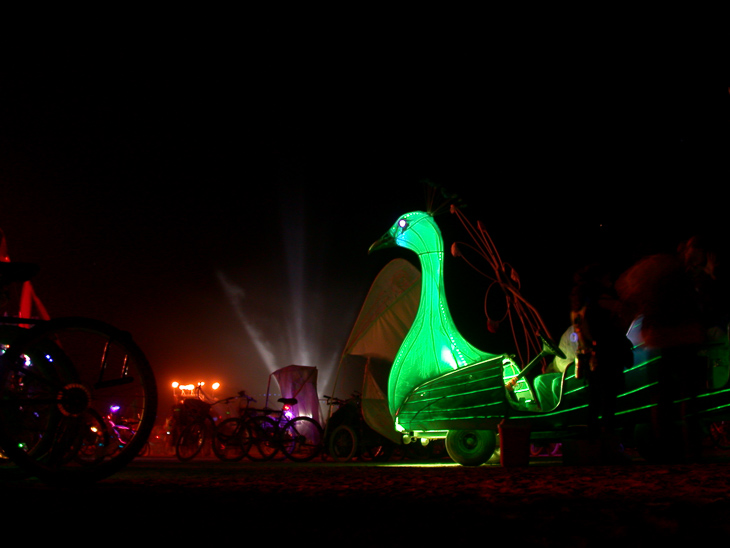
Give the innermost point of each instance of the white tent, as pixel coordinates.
(383, 322)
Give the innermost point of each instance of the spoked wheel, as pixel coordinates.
(287, 440)
(307, 435)
(55, 380)
(343, 443)
(265, 433)
(191, 441)
(471, 447)
(232, 440)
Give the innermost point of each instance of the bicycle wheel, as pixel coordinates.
(191, 441)
(343, 443)
(287, 439)
(307, 436)
(232, 440)
(265, 433)
(53, 377)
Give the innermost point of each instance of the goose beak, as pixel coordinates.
(386, 241)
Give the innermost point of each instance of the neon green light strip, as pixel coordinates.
(642, 364)
(638, 389)
(636, 409)
(717, 393)
(433, 398)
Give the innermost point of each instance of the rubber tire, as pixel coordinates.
(191, 441)
(308, 435)
(342, 445)
(471, 447)
(231, 440)
(265, 434)
(138, 377)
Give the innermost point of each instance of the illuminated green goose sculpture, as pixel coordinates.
(433, 345)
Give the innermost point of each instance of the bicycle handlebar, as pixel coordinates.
(241, 394)
(331, 400)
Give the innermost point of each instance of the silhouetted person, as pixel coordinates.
(664, 290)
(604, 351)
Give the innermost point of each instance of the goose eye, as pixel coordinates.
(403, 223)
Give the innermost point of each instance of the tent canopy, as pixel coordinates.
(300, 382)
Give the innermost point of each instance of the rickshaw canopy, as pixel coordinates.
(378, 332)
(299, 382)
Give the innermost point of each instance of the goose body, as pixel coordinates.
(433, 346)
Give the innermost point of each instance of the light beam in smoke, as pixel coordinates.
(236, 295)
(303, 335)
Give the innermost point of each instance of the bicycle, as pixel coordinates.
(233, 438)
(196, 432)
(58, 379)
(201, 427)
(298, 438)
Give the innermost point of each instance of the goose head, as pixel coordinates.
(416, 231)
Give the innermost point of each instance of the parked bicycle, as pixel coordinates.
(233, 438)
(298, 438)
(201, 429)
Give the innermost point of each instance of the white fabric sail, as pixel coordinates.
(378, 332)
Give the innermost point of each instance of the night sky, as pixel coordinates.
(219, 203)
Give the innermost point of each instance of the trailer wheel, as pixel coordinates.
(343, 444)
(471, 447)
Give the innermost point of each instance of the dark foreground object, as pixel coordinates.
(544, 504)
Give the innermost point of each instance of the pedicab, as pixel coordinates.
(361, 426)
(295, 428)
(297, 382)
(442, 387)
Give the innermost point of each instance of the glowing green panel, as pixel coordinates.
(433, 346)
